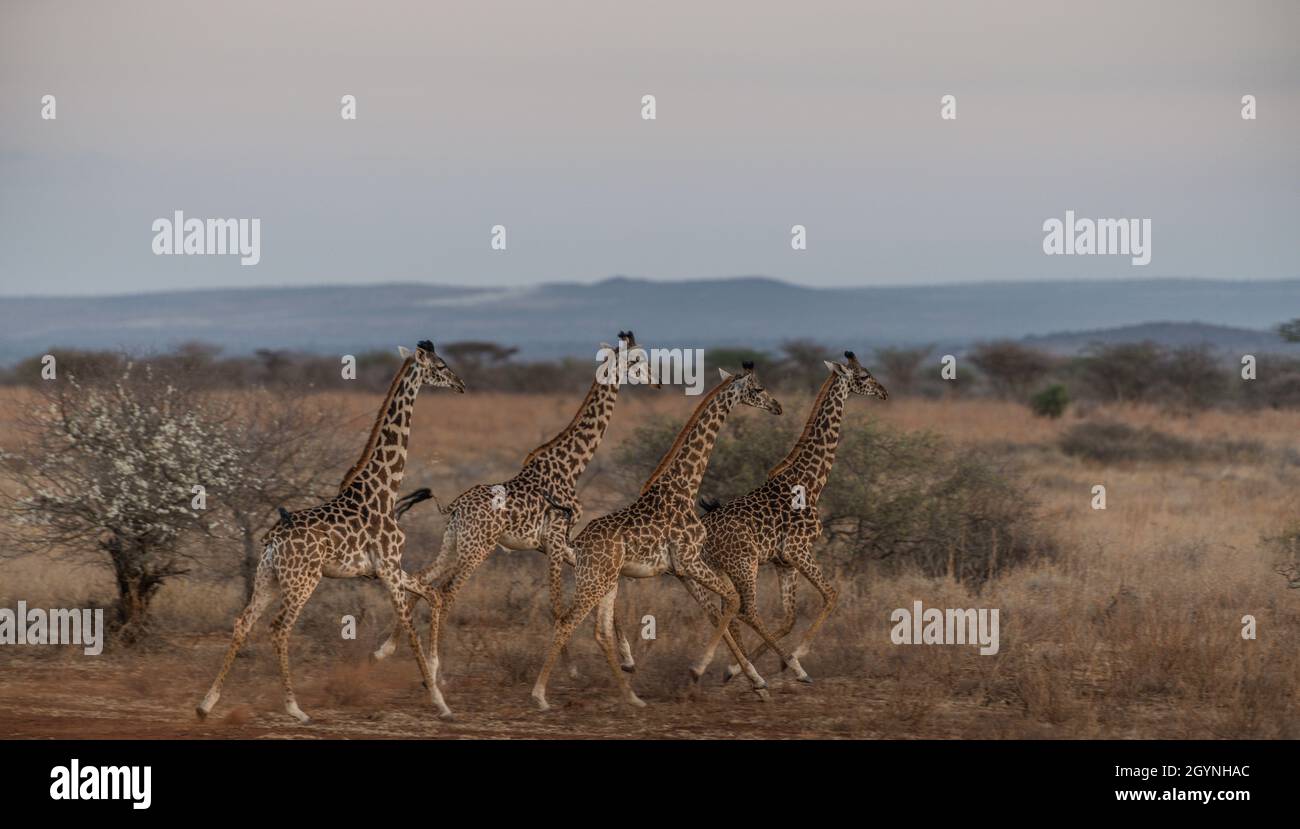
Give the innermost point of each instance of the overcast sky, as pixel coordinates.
(528, 115)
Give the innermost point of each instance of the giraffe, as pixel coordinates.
(777, 523)
(658, 533)
(352, 535)
(517, 514)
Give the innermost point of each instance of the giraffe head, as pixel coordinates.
(637, 356)
(638, 362)
(859, 379)
(433, 370)
(752, 392)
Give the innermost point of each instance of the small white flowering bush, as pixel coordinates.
(111, 465)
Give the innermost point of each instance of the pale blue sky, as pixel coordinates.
(528, 115)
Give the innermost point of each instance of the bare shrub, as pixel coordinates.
(899, 367)
(349, 684)
(289, 455)
(1120, 372)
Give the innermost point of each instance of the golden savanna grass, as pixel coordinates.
(1133, 629)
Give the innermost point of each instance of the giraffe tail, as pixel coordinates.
(709, 504)
(567, 510)
(410, 499)
(564, 508)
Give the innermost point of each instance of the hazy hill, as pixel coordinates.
(1172, 334)
(569, 318)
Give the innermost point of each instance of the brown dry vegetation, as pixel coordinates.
(1132, 630)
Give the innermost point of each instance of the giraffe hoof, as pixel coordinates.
(202, 715)
(696, 673)
(628, 669)
(727, 676)
(805, 679)
(763, 694)
(447, 716)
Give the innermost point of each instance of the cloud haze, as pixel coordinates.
(528, 115)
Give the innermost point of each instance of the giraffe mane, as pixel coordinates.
(672, 452)
(373, 440)
(591, 392)
(807, 428)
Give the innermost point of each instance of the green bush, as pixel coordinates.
(1050, 402)
(895, 499)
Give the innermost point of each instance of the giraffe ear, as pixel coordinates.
(725, 374)
(835, 368)
(404, 351)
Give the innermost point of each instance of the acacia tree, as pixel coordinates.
(899, 366)
(109, 468)
(1011, 368)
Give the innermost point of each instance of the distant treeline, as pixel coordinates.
(1182, 378)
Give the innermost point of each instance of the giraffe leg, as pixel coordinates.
(748, 602)
(605, 638)
(808, 566)
(789, 580)
(731, 637)
(291, 604)
(587, 594)
(467, 562)
(263, 592)
(430, 575)
(399, 584)
(557, 553)
(626, 662)
(694, 568)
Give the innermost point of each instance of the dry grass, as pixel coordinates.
(1134, 630)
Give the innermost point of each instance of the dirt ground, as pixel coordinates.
(153, 696)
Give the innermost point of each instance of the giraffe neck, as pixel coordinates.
(563, 458)
(809, 462)
(378, 473)
(682, 468)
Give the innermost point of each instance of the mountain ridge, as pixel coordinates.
(569, 318)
